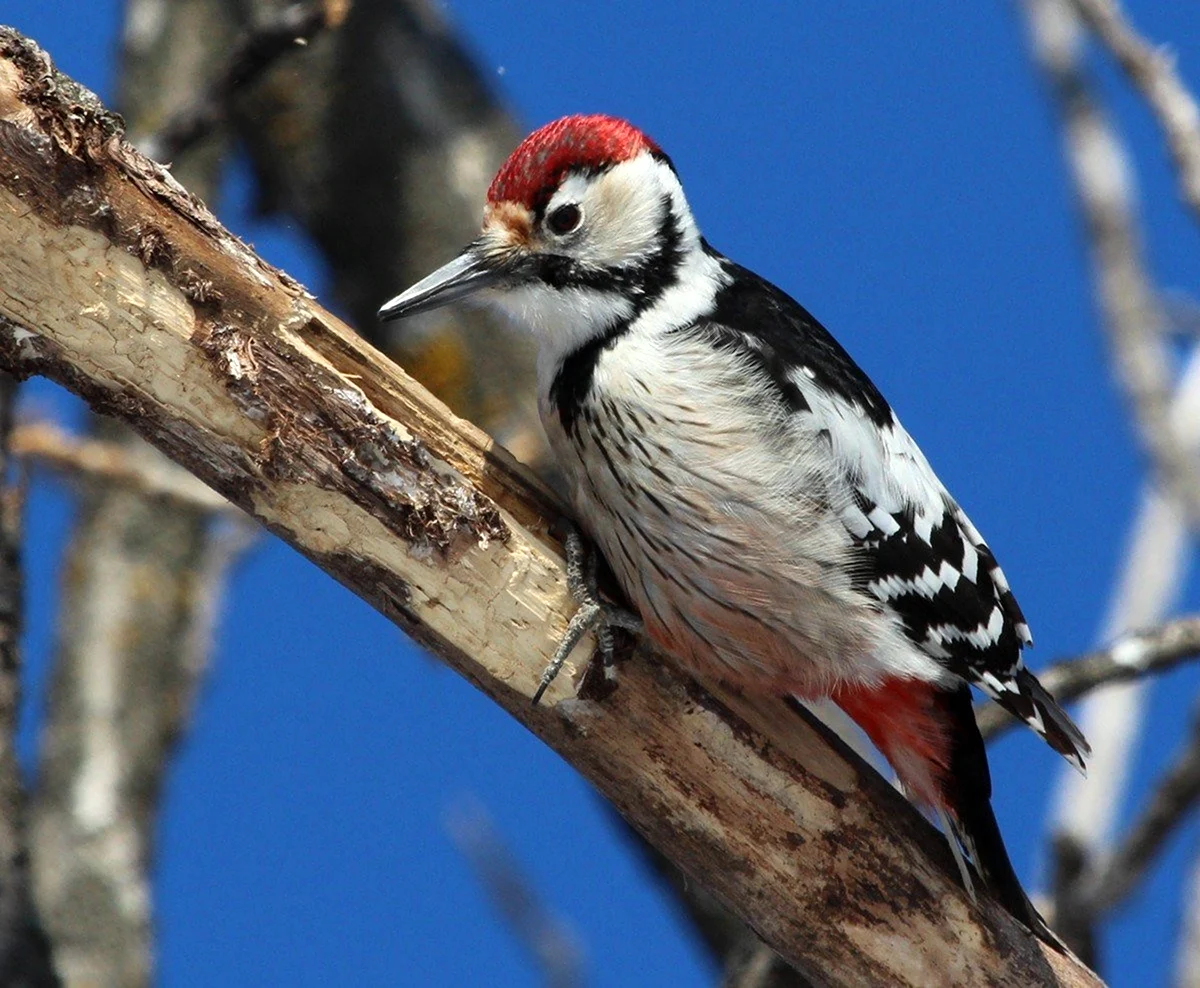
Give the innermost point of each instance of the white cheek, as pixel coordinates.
(561, 321)
(622, 212)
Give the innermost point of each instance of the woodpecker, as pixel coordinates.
(752, 491)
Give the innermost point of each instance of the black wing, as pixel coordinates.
(919, 555)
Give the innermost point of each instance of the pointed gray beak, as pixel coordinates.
(468, 273)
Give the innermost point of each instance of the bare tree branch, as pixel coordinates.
(745, 960)
(119, 696)
(1152, 573)
(544, 936)
(277, 33)
(1152, 72)
(1133, 317)
(1136, 655)
(1187, 954)
(169, 51)
(1074, 919)
(1175, 795)
(1138, 335)
(1183, 309)
(756, 965)
(46, 444)
(276, 404)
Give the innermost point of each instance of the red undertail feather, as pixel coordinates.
(900, 716)
(932, 741)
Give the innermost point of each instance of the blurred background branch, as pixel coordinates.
(88, 460)
(1133, 317)
(1151, 70)
(550, 942)
(257, 49)
(1089, 876)
(25, 960)
(1173, 796)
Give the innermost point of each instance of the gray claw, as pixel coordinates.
(593, 613)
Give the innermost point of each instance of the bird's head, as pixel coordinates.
(585, 226)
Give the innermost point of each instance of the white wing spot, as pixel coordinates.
(883, 521)
(926, 583)
(996, 623)
(981, 636)
(923, 526)
(948, 575)
(856, 522)
(970, 563)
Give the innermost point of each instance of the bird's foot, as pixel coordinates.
(594, 613)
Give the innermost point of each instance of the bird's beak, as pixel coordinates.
(474, 269)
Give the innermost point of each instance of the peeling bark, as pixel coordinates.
(280, 407)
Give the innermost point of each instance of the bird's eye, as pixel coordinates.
(564, 219)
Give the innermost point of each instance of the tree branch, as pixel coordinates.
(1143, 653)
(545, 937)
(1151, 71)
(1074, 920)
(254, 53)
(25, 959)
(1133, 317)
(1187, 953)
(46, 444)
(753, 964)
(118, 284)
(1176, 793)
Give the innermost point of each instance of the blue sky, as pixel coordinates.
(893, 166)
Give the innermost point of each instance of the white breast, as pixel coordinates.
(719, 514)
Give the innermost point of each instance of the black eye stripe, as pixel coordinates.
(564, 219)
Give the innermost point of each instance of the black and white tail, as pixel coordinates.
(1027, 700)
(967, 791)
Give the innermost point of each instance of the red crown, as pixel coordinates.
(534, 170)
